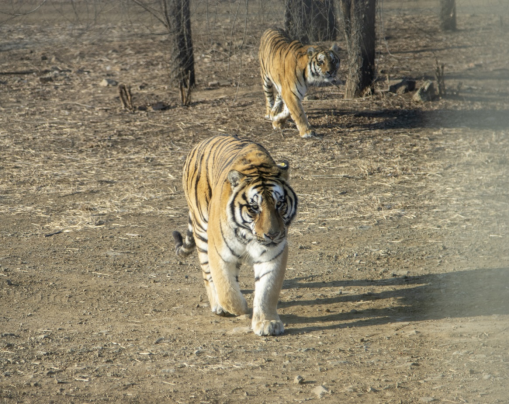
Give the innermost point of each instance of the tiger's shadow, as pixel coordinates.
(480, 292)
(410, 118)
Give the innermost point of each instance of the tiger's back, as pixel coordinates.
(287, 69)
(209, 163)
(240, 206)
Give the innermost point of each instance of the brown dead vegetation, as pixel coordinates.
(396, 289)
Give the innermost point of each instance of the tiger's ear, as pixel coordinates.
(284, 169)
(234, 177)
(310, 51)
(335, 48)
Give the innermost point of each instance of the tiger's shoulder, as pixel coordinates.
(220, 154)
(277, 43)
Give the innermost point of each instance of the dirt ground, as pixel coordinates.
(397, 288)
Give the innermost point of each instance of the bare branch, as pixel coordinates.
(154, 12)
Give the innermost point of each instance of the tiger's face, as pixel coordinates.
(263, 209)
(323, 65)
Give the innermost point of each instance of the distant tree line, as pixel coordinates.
(306, 20)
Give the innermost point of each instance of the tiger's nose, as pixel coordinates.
(272, 235)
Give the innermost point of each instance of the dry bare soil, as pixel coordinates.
(397, 289)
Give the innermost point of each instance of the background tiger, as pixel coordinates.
(288, 68)
(240, 207)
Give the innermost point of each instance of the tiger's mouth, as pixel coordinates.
(269, 242)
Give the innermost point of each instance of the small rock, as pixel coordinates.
(426, 92)
(473, 65)
(310, 97)
(213, 84)
(298, 379)
(224, 83)
(400, 273)
(320, 391)
(372, 390)
(402, 86)
(159, 106)
(159, 340)
(239, 330)
(486, 377)
(46, 79)
(426, 399)
(108, 83)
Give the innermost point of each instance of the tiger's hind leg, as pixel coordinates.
(186, 246)
(210, 286)
(278, 107)
(280, 116)
(225, 275)
(268, 89)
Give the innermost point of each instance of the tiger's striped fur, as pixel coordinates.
(240, 206)
(288, 68)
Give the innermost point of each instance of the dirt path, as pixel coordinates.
(397, 289)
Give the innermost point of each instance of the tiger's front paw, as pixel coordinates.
(268, 327)
(218, 310)
(308, 134)
(278, 124)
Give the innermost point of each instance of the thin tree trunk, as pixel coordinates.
(448, 15)
(359, 23)
(182, 57)
(311, 20)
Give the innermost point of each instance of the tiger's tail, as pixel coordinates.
(184, 247)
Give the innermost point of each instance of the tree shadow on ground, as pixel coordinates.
(431, 50)
(415, 118)
(481, 292)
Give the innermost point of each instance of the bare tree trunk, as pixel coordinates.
(311, 20)
(178, 21)
(359, 23)
(448, 15)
